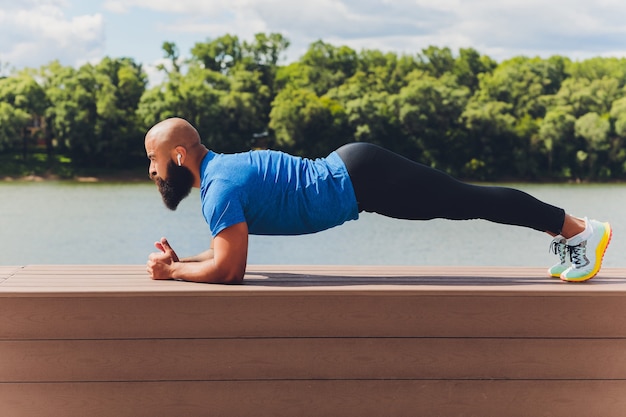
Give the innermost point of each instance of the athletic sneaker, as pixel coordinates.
(586, 255)
(559, 247)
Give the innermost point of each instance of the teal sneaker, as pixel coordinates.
(586, 256)
(559, 247)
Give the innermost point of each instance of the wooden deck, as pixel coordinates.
(312, 341)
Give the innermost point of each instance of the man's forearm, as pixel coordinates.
(225, 262)
(204, 256)
(206, 271)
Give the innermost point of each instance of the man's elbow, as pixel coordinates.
(233, 278)
(232, 275)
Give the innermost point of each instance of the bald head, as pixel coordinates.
(174, 132)
(174, 140)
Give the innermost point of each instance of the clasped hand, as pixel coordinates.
(159, 264)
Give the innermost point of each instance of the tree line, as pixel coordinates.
(524, 118)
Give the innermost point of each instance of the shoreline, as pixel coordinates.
(126, 177)
(78, 179)
(134, 177)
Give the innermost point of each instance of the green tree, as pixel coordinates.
(249, 88)
(618, 151)
(263, 56)
(466, 114)
(173, 56)
(523, 82)
(120, 85)
(555, 137)
(219, 55)
(595, 130)
(429, 112)
(370, 111)
(583, 96)
(72, 113)
(12, 124)
(227, 53)
(93, 111)
(519, 86)
(266, 49)
(386, 71)
(436, 61)
(598, 68)
(21, 96)
(328, 66)
(469, 65)
(243, 111)
(194, 96)
(307, 124)
(491, 134)
(618, 114)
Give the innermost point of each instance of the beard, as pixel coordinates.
(176, 187)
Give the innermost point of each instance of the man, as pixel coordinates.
(269, 192)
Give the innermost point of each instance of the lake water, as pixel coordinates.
(107, 223)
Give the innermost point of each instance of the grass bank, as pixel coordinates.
(40, 167)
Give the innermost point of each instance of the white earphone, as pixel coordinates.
(179, 156)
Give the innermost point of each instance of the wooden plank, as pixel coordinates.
(7, 271)
(68, 280)
(318, 398)
(299, 272)
(399, 314)
(301, 359)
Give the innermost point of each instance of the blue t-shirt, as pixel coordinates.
(275, 193)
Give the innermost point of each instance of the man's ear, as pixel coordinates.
(179, 155)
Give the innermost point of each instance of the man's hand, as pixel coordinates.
(159, 263)
(225, 263)
(164, 246)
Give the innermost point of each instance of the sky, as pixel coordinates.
(36, 32)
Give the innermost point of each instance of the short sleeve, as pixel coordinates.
(222, 206)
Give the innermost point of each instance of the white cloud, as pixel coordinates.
(501, 27)
(34, 32)
(538, 27)
(202, 7)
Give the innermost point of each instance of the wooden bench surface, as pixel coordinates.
(80, 340)
(127, 279)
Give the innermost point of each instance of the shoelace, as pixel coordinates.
(578, 255)
(558, 247)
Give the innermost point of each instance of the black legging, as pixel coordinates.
(394, 186)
